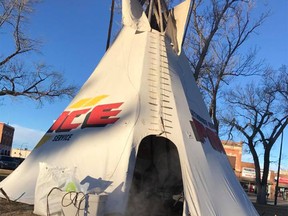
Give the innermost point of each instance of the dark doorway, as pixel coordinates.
(157, 187)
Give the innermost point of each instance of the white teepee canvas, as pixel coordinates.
(139, 130)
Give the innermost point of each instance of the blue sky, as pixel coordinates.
(74, 37)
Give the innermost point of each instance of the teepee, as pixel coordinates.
(139, 129)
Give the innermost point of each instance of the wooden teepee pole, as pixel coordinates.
(110, 24)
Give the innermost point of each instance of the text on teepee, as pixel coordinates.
(98, 116)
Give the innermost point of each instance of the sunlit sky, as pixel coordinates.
(74, 35)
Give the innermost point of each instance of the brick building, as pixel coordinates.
(6, 138)
(234, 154)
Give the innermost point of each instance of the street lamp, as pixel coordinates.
(278, 172)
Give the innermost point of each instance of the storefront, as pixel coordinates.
(245, 172)
(283, 187)
(248, 182)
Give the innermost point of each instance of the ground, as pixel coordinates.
(15, 209)
(20, 209)
(271, 210)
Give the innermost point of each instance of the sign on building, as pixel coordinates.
(250, 173)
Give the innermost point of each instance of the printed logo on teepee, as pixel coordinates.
(89, 114)
(201, 132)
(87, 102)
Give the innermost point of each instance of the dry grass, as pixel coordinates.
(15, 209)
(20, 209)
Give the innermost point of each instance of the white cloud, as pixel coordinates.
(26, 137)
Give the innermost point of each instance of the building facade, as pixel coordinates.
(245, 172)
(234, 154)
(18, 152)
(6, 138)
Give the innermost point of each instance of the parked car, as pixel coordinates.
(7, 162)
(18, 160)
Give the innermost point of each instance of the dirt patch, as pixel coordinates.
(270, 210)
(15, 209)
(21, 209)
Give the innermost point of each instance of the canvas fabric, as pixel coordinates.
(141, 87)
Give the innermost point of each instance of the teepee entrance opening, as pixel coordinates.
(157, 186)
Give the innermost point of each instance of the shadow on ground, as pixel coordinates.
(20, 209)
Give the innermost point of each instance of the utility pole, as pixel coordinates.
(278, 172)
(110, 25)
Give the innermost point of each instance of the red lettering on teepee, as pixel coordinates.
(99, 116)
(67, 124)
(102, 115)
(201, 132)
(214, 140)
(58, 122)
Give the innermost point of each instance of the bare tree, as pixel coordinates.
(259, 113)
(281, 82)
(17, 77)
(218, 30)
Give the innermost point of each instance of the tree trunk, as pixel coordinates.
(261, 194)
